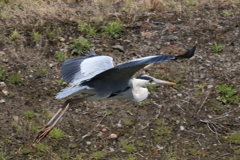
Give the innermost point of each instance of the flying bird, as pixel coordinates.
(96, 76)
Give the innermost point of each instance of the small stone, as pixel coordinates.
(182, 128)
(2, 84)
(112, 136)
(148, 34)
(2, 53)
(15, 118)
(210, 86)
(111, 149)
(189, 39)
(179, 94)
(167, 43)
(104, 129)
(233, 70)
(88, 142)
(158, 47)
(172, 38)
(201, 67)
(2, 101)
(209, 116)
(118, 47)
(202, 75)
(51, 65)
(5, 60)
(5, 92)
(195, 80)
(100, 134)
(62, 39)
(159, 147)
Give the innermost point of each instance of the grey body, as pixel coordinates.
(96, 75)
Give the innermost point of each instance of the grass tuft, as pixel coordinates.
(15, 78)
(98, 155)
(80, 46)
(57, 134)
(15, 35)
(61, 56)
(29, 114)
(1, 72)
(228, 94)
(87, 28)
(234, 138)
(217, 48)
(130, 148)
(113, 29)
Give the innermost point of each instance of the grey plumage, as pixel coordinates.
(96, 74)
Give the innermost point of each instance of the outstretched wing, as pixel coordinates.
(120, 75)
(85, 67)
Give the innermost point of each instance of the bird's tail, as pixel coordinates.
(71, 91)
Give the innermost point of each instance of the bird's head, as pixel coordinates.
(150, 81)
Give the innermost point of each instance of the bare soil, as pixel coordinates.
(182, 122)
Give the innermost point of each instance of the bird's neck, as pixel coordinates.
(139, 93)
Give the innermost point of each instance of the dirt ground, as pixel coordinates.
(192, 120)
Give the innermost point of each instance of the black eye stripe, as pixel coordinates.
(145, 78)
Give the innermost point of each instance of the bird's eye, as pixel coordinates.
(150, 80)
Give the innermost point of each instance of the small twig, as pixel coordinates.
(204, 101)
(176, 140)
(199, 141)
(156, 117)
(139, 154)
(90, 133)
(102, 119)
(196, 133)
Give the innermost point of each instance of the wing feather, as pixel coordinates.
(126, 70)
(85, 67)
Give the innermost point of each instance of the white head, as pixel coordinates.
(150, 81)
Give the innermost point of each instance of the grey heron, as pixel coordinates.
(96, 76)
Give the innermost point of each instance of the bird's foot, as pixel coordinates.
(42, 133)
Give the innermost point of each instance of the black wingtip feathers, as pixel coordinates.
(187, 54)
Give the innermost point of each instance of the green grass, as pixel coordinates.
(228, 94)
(41, 71)
(53, 33)
(226, 13)
(113, 29)
(10, 94)
(217, 48)
(99, 155)
(163, 130)
(29, 114)
(3, 156)
(128, 147)
(36, 36)
(191, 3)
(87, 28)
(80, 46)
(15, 78)
(128, 122)
(61, 56)
(1, 72)
(14, 35)
(57, 134)
(234, 138)
(42, 148)
(60, 82)
(193, 151)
